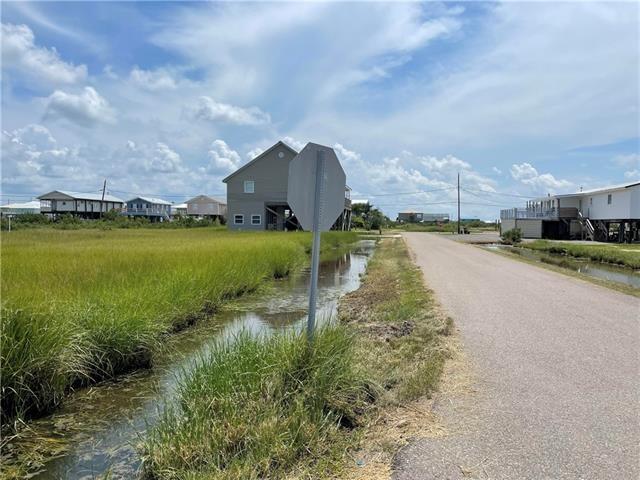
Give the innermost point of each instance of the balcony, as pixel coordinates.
(539, 214)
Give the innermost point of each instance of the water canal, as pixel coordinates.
(96, 430)
(611, 273)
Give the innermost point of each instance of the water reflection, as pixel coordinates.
(97, 429)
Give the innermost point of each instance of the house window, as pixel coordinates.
(238, 219)
(256, 219)
(590, 200)
(249, 186)
(609, 199)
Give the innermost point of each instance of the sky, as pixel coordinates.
(166, 99)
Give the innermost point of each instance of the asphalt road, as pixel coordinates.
(556, 367)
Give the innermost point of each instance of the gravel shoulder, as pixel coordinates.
(556, 373)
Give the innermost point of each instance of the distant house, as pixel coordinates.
(257, 193)
(12, 209)
(417, 217)
(204, 206)
(179, 210)
(605, 214)
(86, 205)
(155, 209)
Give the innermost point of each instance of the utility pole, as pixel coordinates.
(104, 187)
(458, 203)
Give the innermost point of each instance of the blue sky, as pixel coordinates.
(168, 98)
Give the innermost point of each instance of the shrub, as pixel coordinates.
(512, 237)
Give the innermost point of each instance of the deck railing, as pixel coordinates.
(547, 214)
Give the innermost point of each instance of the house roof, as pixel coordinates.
(35, 204)
(83, 196)
(205, 197)
(157, 201)
(593, 191)
(179, 205)
(280, 143)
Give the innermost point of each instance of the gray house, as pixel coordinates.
(204, 206)
(257, 193)
(155, 209)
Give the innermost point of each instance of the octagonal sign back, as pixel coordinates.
(302, 184)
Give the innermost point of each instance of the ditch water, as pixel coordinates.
(622, 275)
(96, 430)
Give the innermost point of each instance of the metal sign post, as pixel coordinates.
(315, 249)
(316, 169)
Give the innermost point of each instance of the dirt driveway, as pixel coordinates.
(556, 366)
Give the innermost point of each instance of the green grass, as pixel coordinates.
(79, 306)
(274, 408)
(260, 408)
(618, 254)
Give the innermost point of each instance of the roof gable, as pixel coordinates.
(205, 198)
(83, 196)
(157, 201)
(280, 143)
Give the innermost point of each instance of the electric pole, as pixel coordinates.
(458, 203)
(104, 187)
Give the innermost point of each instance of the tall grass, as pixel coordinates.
(623, 254)
(80, 306)
(260, 408)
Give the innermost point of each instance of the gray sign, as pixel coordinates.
(314, 159)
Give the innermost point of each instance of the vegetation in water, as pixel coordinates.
(275, 408)
(618, 254)
(79, 306)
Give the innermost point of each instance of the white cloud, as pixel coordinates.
(294, 143)
(528, 175)
(254, 152)
(19, 52)
(223, 158)
(209, 109)
(86, 109)
(165, 160)
(632, 174)
(159, 79)
(496, 170)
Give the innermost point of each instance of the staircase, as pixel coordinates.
(587, 226)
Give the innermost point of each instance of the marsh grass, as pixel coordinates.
(622, 254)
(274, 407)
(260, 408)
(79, 306)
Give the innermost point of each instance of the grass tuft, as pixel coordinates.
(617, 254)
(257, 407)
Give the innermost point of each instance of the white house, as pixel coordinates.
(87, 205)
(179, 209)
(155, 209)
(607, 214)
(20, 208)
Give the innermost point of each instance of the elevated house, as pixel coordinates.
(257, 194)
(602, 214)
(204, 206)
(86, 205)
(179, 210)
(155, 209)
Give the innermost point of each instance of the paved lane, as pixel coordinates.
(557, 367)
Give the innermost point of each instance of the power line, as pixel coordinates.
(498, 193)
(409, 193)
